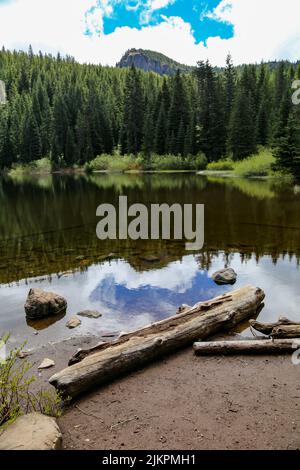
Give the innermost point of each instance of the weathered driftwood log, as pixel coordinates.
(284, 328)
(140, 347)
(264, 346)
(286, 331)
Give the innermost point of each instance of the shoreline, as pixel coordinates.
(165, 405)
(82, 171)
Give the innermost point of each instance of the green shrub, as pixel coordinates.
(120, 163)
(221, 165)
(39, 166)
(113, 163)
(256, 165)
(16, 395)
(176, 162)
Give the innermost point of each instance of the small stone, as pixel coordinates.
(225, 276)
(23, 354)
(33, 431)
(74, 322)
(90, 314)
(46, 364)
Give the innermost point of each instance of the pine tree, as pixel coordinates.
(133, 125)
(31, 147)
(148, 134)
(242, 127)
(288, 147)
(211, 113)
(161, 129)
(70, 149)
(230, 85)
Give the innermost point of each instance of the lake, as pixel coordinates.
(48, 240)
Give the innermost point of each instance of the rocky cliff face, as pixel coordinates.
(150, 61)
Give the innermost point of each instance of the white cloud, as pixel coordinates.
(152, 6)
(263, 29)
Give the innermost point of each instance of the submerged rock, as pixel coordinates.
(74, 322)
(225, 276)
(41, 304)
(90, 314)
(32, 432)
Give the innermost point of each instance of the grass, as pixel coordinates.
(16, 395)
(256, 165)
(41, 166)
(114, 163)
(122, 163)
(221, 165)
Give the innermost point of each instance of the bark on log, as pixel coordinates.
(277, 346)
(152, 342)
(286, 331)
(284, 328)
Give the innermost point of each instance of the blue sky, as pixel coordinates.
(135, 14)
(100, 31)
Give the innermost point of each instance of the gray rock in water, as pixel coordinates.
(74, 322)
(41, 304)
(225, 276)
(32, 432)
(90, 314)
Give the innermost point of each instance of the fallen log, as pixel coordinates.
(134, 350)
(267, 328)
(283, 329)
(269, 346)
(286, 331)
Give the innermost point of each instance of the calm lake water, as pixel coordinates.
(48, 240)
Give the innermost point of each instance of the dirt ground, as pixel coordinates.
(186, 403)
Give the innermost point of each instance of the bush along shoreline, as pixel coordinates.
(259, 165)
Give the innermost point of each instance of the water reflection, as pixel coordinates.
(47, 240)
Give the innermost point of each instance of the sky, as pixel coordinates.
(100, 31)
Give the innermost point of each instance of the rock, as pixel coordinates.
(46, 364)
(90, 314)
(41, 304)
(225, 276)
(74, 322)
(23, 354)
(151, 62)
(32, 432)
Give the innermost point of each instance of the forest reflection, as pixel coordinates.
(48, 222)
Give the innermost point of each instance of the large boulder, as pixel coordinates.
(225, 276)
(41, 304)
(32, 432)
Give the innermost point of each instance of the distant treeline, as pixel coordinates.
(72, 112)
